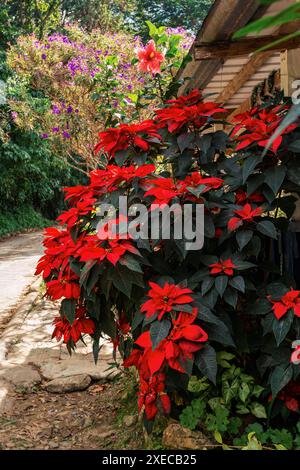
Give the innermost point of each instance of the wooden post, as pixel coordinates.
(289, 70)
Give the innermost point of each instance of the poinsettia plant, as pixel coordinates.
(168, 309)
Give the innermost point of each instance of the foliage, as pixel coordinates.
(170, 13)
(223, 413)
(70, 86)
(181, 307)
(20, 220)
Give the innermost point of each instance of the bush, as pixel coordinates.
(21, 220)
(172, 311)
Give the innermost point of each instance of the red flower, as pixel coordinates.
(123, 328)
(163, 190)
(225, 267)
(163, 299)
(183, 341)
(260, 129)
(291, 396)
(73, 215)
(175, 117)
(75, 194)
(187, 100)
(150, 58)
(152, 393)
(111, 249)
(135, 136)
(241, 197)
(196, 179)
(114, 176)
(246, 214)
(290, 301)
(81, 325)
(65, 286)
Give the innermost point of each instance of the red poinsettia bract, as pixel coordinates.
(247, 214)
(184, 339)
(223, 267)
(259, 128)
(80, 326)
(290, 301)
(134, 136)
(152, 394)
(163, 299)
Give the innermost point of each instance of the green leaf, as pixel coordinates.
(258, 410)
(282, 327)
(221, 283)
(207, 285)
(185, 140)
(280, 377)
(68, 310)
(274, 177)
(131, 263)
(243, 237)
(244, 392)
(206, 361)
(284, 16)
(231, 297)
(267, 228)
(238, 283)
(159, 330)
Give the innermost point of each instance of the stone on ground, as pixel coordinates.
(177, 437)
(75, 383)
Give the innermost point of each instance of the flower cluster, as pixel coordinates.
(181, 340)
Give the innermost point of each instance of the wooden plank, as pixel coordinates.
(290, 70)
(243, 76)
(228, 49)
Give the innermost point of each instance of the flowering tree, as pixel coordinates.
(70, 86)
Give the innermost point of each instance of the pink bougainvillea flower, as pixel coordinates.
(150, 58)
(290, 301)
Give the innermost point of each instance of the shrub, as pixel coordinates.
(21, 220)
(169, 310)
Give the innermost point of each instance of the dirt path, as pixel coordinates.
(18, 258)
(49, 400)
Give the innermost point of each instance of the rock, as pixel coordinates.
(177, 437)
(79, 364)
(53, 445)
(129, 421)
(74, 383)
(22, 376)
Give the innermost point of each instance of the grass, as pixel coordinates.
(21, 220)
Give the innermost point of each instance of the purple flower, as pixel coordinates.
(66, 135)
(55, 109)
(44, 56)
(69, 109)
(14, 115)
(55, 129)
(45, 136)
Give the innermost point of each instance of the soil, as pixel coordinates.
(88, 420)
